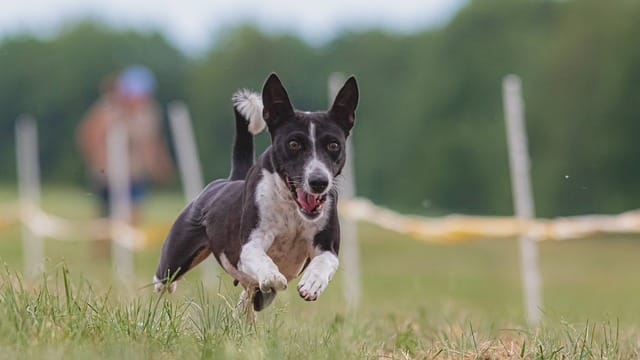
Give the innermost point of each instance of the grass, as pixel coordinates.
(60, 318)
(419, 300)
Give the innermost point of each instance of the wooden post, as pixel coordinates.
(190, 171)
(120, 200)
(185, 145)
(522, 194)
(29, 191)
(348, 228)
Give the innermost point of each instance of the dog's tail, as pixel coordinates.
(247, 107)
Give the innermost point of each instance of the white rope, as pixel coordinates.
(450, 228)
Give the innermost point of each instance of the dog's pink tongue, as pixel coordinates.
(307, 201)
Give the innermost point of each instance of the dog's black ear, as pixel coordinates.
(277, 106)
(344, 106)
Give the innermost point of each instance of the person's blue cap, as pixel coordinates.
(135, 81)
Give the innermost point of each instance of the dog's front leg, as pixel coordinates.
(318, 274)
(324, 263)
(255, 262)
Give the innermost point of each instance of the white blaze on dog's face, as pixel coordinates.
(308, 147)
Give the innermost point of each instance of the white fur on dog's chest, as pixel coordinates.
(285, 236)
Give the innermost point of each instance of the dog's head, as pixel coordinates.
(308, 148)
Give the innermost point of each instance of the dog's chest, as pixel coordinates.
(290, 249)
(292, 237)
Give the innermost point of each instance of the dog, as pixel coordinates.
(275, 218)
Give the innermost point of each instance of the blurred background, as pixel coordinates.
(430, 120)
(430, 135)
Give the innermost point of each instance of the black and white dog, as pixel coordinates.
(277, 217)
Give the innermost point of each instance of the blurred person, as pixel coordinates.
(126, 98)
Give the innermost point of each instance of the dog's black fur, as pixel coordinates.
(220, 220)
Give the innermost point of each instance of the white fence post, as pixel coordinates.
(185, 144)
(190, 170)
(522, 194)
(29, 191)
(348, 228)
(120, 200)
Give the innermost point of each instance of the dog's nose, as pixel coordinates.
(318, 182)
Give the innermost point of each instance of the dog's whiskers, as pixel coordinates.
(338, 184)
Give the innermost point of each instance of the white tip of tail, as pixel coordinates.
(249, 104)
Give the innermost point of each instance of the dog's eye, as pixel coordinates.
(333, 147)
(294, 145)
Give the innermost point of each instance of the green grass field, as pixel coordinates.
(419, 300)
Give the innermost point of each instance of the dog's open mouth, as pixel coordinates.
(310, 205)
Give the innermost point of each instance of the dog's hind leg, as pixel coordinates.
(262, 299)
(252, 301)
(244, 308)
(185, 247)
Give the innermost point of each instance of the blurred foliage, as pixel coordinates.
(430, 135)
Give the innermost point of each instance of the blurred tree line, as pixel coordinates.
(430, 134)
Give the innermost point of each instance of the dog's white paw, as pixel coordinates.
(312, 284)
(158, 286)
(272, 281)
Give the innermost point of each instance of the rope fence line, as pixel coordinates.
(59, 228)
(453, 228)
(446, 229)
